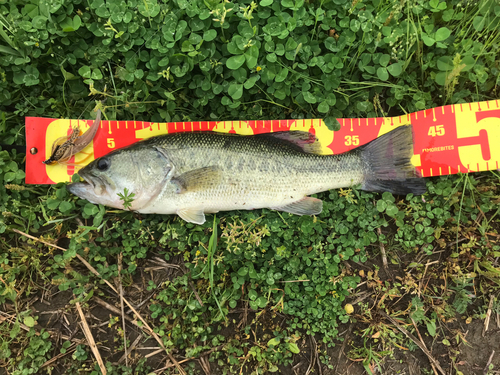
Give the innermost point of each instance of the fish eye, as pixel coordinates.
(103, 164)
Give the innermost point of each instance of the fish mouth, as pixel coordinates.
(91, 186)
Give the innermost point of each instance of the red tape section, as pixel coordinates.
(447, 140)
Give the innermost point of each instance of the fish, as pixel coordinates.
(196, 173)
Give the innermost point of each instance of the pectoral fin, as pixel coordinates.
(192, 215)
(306, 206)
(198, 179)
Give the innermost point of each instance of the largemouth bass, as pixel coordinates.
(190, 174)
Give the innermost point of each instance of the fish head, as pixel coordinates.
(143, 171)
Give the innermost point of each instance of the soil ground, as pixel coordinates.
(473, 355)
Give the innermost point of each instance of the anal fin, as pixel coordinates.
(192, 215)
(306, 206)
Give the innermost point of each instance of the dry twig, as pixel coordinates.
(311, 358)
(205, 365)
(423, 343)
(70, 350)
(342, 348)
(382, 250)
(111, 308)
(487, 367)
(90, 339)
(132, 347)
(317, 356)
(414, 339)
(195, 293)
(155, 353)
(120, 257)
(488, 316)
(158, 371)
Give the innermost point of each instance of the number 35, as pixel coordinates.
(352, 140)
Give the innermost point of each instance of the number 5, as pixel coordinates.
(111, 143)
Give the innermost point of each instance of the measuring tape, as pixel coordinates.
(447, 140)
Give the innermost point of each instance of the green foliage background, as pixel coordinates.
(180, 60)
(186, 60)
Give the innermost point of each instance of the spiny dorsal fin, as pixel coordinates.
(306, 206)
(198, 179)
(305, 141)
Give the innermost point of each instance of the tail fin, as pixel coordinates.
(388, 159)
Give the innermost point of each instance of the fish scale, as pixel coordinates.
(256, 172)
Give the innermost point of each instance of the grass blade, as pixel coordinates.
(5, 37)
(9, 51)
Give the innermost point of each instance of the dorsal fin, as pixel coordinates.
(305, 141)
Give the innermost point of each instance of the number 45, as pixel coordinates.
(436, 130)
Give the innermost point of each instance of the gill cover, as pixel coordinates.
(153, 168)
(141, 170)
